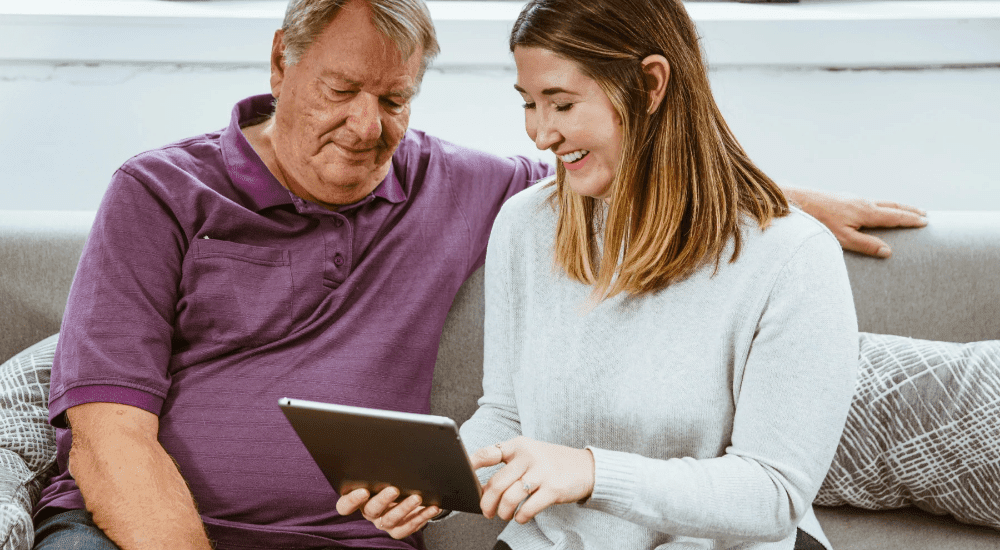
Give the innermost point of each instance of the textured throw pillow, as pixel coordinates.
(923, 430)
(27, 441)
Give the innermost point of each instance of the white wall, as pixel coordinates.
(920, 134)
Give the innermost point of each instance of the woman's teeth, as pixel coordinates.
(574, 156)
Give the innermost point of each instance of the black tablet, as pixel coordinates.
(357, 447)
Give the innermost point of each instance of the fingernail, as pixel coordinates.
(884, 252)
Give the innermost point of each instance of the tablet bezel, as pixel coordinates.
(417, 453)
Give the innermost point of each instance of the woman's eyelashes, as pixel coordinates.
(559, 107)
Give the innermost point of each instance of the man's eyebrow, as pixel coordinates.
(406, 93)
(342, 77)
(547, 91)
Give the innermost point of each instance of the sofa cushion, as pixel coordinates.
(27, 441)
(923, 430)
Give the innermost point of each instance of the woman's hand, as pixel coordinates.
(845, 215)
(543, 473)
(400, 519)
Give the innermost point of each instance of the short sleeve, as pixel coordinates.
(115, 342)
(481, 183)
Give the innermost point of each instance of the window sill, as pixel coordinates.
(814, 33)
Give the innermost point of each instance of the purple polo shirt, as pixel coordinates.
(207, 291)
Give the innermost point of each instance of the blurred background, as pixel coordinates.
(896, 99)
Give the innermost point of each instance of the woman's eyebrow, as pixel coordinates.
(547, 91)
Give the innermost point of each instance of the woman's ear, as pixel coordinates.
(657, 71)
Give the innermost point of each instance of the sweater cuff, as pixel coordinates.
(614, 482)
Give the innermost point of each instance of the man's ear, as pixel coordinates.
(657, 71)
(277, 62)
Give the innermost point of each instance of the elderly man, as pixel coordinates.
(310, 249)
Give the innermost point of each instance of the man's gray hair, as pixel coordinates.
(406, 22)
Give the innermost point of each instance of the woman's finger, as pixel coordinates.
(498, 485)
(512, 497)
(487, 456)
(538, 501)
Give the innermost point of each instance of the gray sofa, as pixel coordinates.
(943, 284)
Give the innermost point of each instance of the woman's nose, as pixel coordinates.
(546, 135)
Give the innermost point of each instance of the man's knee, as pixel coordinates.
(72, 529)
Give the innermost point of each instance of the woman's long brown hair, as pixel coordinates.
(683, 182)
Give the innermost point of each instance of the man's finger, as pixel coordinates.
(899, 206)
(396, 516)
(890, 215)
(349, 503)
(855, 241)
(414, 521)
(381, 503)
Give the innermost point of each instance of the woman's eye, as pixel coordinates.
(565, 107)
(528, 105)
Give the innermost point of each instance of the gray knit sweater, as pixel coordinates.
(713, 408)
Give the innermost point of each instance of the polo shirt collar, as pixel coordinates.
(251, 177)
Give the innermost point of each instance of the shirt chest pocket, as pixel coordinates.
(235, 293)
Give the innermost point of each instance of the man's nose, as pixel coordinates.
(364, 118)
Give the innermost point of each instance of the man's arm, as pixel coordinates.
(129, 482)
(845, 215)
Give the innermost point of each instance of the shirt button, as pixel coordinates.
(337, 222)
(338, 260)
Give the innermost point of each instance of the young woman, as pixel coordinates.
(670, 348)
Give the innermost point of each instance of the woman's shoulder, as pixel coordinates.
(790, 232)
(530, 205)
(794, 238)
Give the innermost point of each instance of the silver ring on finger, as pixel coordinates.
(378, 523)
(527, 487)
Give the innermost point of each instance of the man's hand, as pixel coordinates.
(845, 215)
(536, 476)
(400, 520)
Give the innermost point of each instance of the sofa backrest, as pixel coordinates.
(39, 251)
(942, 283)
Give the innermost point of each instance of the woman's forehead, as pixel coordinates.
(543, 71)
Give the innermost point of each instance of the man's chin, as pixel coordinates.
(348, 184)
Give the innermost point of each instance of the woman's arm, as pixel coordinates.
(791, 395)
(497, 418)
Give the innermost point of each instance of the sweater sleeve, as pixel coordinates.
(792, 396)
(496, 419)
